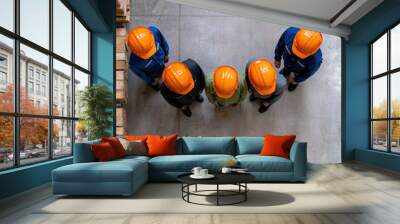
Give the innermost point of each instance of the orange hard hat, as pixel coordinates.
(262, 76)
(306, 43)
(141, 42)
(178, 78)
(225, 81)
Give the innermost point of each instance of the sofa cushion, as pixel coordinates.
(161, 145)
(103, 152)
(112, 171)
(185, 163)
(257, 163)
(277, 145)
(206, 145)
(116, 145)
(249, 145)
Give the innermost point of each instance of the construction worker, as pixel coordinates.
(302, 57)
(149, 53)
(226, 86)
(183, 83)
(264, 83)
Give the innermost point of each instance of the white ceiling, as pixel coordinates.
(328, 16)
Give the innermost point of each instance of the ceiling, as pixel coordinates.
(328, 16)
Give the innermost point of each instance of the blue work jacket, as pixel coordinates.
(302, 68)
(147, 69)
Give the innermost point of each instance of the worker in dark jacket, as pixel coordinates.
(264, 84)
(302, 57)
(149, 53)
(183, 83)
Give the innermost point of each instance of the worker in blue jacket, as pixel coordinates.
(302, 57)
(149, 54)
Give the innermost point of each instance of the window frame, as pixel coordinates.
(16, 114)
(388, 74)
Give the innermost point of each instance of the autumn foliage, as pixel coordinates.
(380, 127)
(33, 131)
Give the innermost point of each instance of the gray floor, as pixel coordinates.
(377, 190)
(313, 111)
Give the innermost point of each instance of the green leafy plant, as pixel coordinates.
(97, 103)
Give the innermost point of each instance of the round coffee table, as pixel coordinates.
(238, 179)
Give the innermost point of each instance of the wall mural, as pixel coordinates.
(201, 73)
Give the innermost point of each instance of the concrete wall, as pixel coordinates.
(313, 111)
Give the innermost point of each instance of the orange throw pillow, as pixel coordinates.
(161, 145)
(116, 145)
(103, 152)
(277, 145)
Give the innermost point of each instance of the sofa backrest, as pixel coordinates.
(83, 152)
(249, 145)
(206, 145)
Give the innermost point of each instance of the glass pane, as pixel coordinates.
(34, 97)
(7, 14)
(395, 47)
(33, 139)
(6, 74)
(395, 95)
(62, 138)
(81, 131)
(62, 89)
(81, 45)
(62, 29)
(379, 135)
(81, 81)
(395, 136)
(379, 55)
(379, 97)
(6, 142)
(35, 21)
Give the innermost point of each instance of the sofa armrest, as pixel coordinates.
(83, 152)
(298, 155)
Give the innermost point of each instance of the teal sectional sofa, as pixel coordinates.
(125, 176)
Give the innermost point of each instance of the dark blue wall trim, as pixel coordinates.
(385, 160)
(24, 178)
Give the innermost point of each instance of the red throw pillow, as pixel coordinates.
(116, 145)
(103, 152)
(161, 145)
(277, 145)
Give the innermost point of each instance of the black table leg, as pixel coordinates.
(217, 194)
(195, 188)
(245, 193)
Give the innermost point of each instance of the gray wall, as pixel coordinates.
(312, 112)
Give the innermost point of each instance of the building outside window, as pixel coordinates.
(385, 91)
(56, 129)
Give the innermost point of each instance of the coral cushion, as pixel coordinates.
(103, 152)
(277, 145)
(161, 145)
(116, 145)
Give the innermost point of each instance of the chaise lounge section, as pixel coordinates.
(125, 176)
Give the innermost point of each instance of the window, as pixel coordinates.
(81, 45)
(35, 21)
(41, 122)
(30, 88)
(385, 94)
(6, 73)
(7, 14)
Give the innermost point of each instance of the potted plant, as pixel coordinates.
(96, 103)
